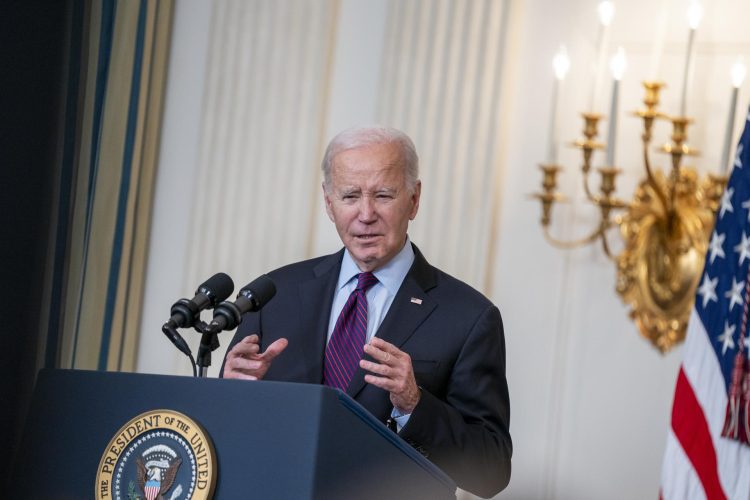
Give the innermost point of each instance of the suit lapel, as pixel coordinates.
(410, 307)
(316, 300)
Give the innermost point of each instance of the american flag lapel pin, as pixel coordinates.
(417, 301)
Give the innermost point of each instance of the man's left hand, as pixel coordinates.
(393, 372)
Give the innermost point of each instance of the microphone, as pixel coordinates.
(252, 297)
(186, 312)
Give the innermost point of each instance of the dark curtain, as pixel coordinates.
(35, 38)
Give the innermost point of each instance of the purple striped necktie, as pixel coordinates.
(347, 343)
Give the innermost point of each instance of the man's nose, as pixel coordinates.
(367, 209)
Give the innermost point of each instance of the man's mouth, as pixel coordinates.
(366, 237)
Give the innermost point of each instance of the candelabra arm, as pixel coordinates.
(572, 244)
(673, 179)
(589, 195)
(605, 242)
(652, 180)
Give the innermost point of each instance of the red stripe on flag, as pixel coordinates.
(690, 427)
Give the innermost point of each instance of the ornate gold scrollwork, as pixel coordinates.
(662, 261)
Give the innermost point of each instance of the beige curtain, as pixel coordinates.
(123, 62)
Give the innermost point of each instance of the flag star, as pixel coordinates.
(726, 202)
(747, 343)
(716, 246)
(707, 290)
(743, 248)
(735, 294)
(726, 338)
(738, 156)
(746, 205)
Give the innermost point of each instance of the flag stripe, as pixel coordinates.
(679, 479)
(703, 370)
(691, 429)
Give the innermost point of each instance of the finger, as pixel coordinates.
(275, 349)
(251, 339)
(243, 348)
(377, 368)
(248, 365)
(385, 346)
(382, 382)
(379, 354)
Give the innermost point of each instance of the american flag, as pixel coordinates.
(707, 453)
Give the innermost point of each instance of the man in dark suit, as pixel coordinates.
(419, 349)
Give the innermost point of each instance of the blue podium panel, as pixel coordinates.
(272, 440)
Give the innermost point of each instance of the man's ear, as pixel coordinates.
(327, 200)
(415, 200)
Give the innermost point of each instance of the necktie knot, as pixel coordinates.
(365, 281)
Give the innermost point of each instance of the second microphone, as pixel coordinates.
(253, 296)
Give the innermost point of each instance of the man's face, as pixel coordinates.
(370, 203)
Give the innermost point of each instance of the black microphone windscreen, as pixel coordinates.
(261, 289)
(219, 285)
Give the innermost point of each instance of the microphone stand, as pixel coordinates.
(209, 343)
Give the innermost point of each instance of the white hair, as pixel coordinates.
(357, 137)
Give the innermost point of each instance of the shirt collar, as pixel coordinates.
(390, 275)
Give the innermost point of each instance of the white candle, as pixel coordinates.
(658, 48)
(695, 12)
(606, 12)
(617, 66)
(561, 64)
(738, 75)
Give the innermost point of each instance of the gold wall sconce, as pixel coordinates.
(666, 226)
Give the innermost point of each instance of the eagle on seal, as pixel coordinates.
(151, 482)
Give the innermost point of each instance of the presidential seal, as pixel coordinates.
(158, 455)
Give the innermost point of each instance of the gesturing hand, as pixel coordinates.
(393, 372)
(245, 361)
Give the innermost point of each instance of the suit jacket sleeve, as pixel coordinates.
(467, 433)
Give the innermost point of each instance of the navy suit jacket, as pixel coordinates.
(455, 340)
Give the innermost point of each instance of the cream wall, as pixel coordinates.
(255, 90)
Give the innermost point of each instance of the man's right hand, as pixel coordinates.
(246, 362)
